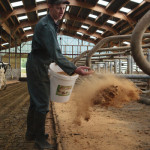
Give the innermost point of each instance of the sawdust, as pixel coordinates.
(105, 91)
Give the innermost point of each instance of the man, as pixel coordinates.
(45, 50)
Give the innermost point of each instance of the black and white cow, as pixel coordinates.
(3, 68)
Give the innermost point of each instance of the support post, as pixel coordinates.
(98, 67)
(106, 67)
(129, 64)
(111, 65)
(120, 63)
(20, 59)
(115, 66)
(15, 54)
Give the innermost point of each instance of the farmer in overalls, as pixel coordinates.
(45, 50)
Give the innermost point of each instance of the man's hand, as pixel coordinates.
(83, 70)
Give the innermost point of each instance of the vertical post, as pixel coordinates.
(115, 66)
(129, 64)
(120, 64)
(132, 65)
(72, 51)
(15, 54)
(93, 68)
(98, 67)
(106, 67)
(20, 59)
(9, 47)
(111, 67)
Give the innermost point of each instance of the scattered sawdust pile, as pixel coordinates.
(104, 91)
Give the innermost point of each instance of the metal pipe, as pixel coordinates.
(134, 76)
(106, 40)
(129, 76)
(79, 57)
(106, 49)
(136, 40)
(120, 48)
(110, 54)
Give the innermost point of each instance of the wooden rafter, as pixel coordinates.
(87, 21)
(81, 30)
(78, 37)
(73, 3)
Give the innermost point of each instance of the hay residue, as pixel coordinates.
(107, 90)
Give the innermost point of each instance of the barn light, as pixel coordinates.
(124, 9)
(111, 21)
(85, 27)
(22, 17)
(64, 20)
(104, 3)
(17, 4)
(100, 31)
(92, 16)
(27, 28)
(80, 33)
(137, 1)
(62, 29)
(5, 44)
(67, 8)
(42, 13)
(93, 37)
(29, 35)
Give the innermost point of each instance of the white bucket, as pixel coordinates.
(61, 86)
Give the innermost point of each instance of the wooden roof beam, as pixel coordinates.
(73, 3)
(26, 33)
(7, 29)
(68, 17)
(101, 9)
(87, 21)
(68, 27)
(136, 7)
(24, 24)
(75, 36)
(4, 38)
(78, 37)
(19, 11)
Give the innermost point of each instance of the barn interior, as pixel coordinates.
(110, 37)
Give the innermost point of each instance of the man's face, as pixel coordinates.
(57, 11)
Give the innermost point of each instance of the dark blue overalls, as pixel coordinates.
(45, 49)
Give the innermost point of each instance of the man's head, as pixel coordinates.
(57, 8)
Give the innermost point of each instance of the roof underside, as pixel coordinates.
(76, 18)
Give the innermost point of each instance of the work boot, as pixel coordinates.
(40, 139)
(30, 133)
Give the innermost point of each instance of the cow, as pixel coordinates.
(3, 69)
